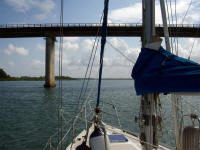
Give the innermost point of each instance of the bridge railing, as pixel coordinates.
(66, 25)
(90, 25)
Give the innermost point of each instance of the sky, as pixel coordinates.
(26, 56)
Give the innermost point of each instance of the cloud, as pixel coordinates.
(37, 64)
(71, 39)
(44, 6)
(87, 45)
(70, 43)
(185, 47)
(19, 5)
(127, 14)
(133, 13)
(66, 59)
(123, 47)
(21, 51)
(70, 46)
(70, 55)
(40, 16)
(115, 62)
(40, 47)
(76, 63)
(132, 53)
(16, 50)
(9, 50)
(119, 60)
(119, 43)
(11, 64)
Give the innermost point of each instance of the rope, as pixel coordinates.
(119, 122)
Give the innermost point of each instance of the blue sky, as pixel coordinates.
(26, 56)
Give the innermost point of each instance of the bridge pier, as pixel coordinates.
(50, 64)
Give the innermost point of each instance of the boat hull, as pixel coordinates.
(132, 143)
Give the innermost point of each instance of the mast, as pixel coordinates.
(164, 19)
(103, 42)
(174, 97)
(148, 133)
(148, 21)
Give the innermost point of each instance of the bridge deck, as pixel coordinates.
(84, 30)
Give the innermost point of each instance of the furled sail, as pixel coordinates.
(163, 72)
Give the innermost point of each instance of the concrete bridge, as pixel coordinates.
(51, 31)
(91, 29)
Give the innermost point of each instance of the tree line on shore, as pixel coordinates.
(6, 77)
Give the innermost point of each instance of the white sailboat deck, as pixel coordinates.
(133, 142)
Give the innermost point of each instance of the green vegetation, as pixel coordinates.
(3, 74)
(5, 77)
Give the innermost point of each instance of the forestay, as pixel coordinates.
(163, 72)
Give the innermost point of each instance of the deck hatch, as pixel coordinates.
(117, 138)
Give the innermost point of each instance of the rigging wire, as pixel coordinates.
(172, 20)
(191, 50)
(177, 41)
(60, 72)
(190, 4)
(175, 20)
(60, 76)
(178, 102)
(94, 50)
(168, 16)
(115, 48)
(175, 98)
(74, 119)
(174, 39)
(187, 12)
(89, 67)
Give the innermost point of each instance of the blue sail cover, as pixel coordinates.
(163, 72)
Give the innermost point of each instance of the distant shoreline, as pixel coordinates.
(5, 77)
(43, 79)
(26, 78)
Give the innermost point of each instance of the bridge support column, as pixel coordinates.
(50, 64)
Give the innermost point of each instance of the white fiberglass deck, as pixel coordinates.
(133, 142)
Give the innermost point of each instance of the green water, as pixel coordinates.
(28, 112)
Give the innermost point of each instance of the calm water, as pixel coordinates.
(28, 112)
